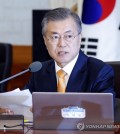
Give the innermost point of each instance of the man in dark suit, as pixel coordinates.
(61, 31)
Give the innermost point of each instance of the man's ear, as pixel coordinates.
(45, 41)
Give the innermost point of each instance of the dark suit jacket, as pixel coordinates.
(88, 75)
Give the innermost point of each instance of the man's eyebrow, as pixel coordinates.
(69, 31)
(53, 33)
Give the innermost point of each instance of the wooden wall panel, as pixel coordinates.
(22, 58)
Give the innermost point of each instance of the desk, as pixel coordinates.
(58, 132)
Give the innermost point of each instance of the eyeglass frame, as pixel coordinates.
(60, 36)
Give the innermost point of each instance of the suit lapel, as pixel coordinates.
(52, 83)
(76, 79)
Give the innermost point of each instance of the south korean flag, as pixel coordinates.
(101, 29)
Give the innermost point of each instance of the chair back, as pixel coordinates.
(116, 67)
(5, 64)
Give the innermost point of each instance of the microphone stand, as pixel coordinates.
(9, 78)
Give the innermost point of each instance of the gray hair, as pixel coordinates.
(60, 14)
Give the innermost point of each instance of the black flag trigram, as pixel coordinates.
(89, 46)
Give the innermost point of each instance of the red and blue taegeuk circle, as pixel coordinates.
(95, 11)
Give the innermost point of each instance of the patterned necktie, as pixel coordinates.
(61, 81)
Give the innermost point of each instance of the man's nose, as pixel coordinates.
(61, 42)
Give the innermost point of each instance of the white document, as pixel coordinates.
(18, 101)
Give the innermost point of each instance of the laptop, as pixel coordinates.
(72, 111)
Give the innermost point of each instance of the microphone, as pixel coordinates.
(33, 67)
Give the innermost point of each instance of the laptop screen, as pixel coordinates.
(71, 111)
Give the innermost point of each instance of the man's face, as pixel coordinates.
(62, 40)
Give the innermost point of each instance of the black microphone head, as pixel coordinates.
(35, 66)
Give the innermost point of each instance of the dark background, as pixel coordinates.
(39, 50)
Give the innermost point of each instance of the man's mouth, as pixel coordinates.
(62, 53)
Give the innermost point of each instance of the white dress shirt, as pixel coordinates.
(68, 69)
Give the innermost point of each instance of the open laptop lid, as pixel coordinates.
(70, 111)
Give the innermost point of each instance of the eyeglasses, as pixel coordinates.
(68, 37)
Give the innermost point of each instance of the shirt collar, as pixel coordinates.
(68, 68)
